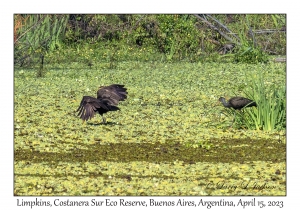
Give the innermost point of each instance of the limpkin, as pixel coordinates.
(107, 100)
(237, 103)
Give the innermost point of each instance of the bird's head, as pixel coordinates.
(221, 99)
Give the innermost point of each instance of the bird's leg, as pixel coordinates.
(233, 119)
(103, 119)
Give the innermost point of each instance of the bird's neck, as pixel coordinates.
(225, 103)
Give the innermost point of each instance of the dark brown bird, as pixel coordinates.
(237, 103)
(107, 100)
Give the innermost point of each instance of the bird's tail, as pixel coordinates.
(253, 103)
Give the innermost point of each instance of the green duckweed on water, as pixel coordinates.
(170, 137)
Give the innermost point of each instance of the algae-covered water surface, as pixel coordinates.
(171, 136)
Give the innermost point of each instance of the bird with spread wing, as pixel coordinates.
(107, 100)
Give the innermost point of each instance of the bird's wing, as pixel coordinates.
(112, 94)
(237, 99)
(240, 102)
(88, 107)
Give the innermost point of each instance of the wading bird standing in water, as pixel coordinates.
(237, 103)
(107, 100)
